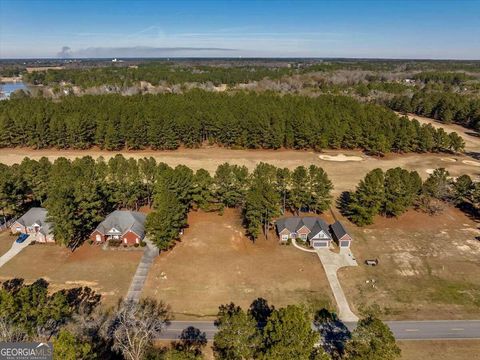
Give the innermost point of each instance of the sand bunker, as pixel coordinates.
(429, 171)
(340, 157)
(470, 162)
(449, 159)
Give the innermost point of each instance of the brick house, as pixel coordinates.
(125, 226)
(311, 229)
(34, 222)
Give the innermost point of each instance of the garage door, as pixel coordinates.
(320, 244)
(344, 243)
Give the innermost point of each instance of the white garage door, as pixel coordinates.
(320, 244)
(344, 243)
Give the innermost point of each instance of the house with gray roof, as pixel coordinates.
(34, 222)
(121, 225)
(311, 229)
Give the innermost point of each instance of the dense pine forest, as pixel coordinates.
(444, 106)
(240, 120)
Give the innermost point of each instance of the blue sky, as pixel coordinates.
(387, 29)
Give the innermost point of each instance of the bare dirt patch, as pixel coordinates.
(428, 266)
(216, 264)
(440, 349)
(108, 272)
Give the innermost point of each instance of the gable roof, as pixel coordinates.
(338, 230)
(36, 215)
(123, 221)
(295, 223)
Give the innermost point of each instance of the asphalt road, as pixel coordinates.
(403, 330)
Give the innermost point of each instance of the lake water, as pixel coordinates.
(7, 88)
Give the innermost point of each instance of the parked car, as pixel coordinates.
(371, 262)
(21, 238)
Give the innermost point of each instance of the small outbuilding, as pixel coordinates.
(340, 235)
(34, 223)
(127, 227)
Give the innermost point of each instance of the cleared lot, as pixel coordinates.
(440, 350)
(108, 272)
(216, 264)
(428, 266)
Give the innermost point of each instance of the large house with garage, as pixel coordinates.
(313, 230)
(34, 223)
(127, 227)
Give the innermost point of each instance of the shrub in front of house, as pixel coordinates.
(289, 241)
(114, 243)
(143, 243)
(300, 241)
(90, 242)
(136, 245)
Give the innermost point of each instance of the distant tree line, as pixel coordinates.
(155, 74)
(242, 120)
(78, 194)
(444, 106)
(451, 78)
(393, 192)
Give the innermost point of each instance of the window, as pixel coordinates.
(284, 237)
(303, 236)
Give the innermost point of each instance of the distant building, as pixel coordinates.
(34, 222)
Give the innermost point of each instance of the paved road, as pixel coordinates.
(14, 250)
(403, 330)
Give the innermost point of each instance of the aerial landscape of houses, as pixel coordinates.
(240, 180)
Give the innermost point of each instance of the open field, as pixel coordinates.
(345, 175)
(440, 350)
(108, 272)
(6, 241)
(216, 264)
(428, 266)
